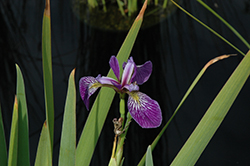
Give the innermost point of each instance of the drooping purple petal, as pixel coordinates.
(114, 64)
(127, 72)
(142, 73)
(144, 110)
(88, 86)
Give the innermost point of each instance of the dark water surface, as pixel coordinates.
(178, 47)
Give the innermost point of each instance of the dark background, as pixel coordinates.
(178, 47)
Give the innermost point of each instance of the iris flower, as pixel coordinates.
(144, 110)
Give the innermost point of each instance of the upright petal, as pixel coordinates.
(144, 110)
(114, 64)
(143, 73)
(128, 72)
(88, 86)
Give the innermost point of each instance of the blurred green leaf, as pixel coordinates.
(149, 158)
(47, 70)
(13, 145)
(99, 111)
(23, 134)
(225, 22)
(197, 142)
(3, 149)
(43, 154)
(68, 138)
(208, 28)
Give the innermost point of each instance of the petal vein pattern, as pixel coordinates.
(88, 86)
(144, 110)
(143, 72)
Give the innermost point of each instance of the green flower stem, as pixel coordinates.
(112, 161)
(122, 107)
(119, 149)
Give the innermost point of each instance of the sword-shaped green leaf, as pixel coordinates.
(3, 149)
(198, 77)
(149, 157)
(43, 154)
(23, 127)
(47, 70)
(68, 138)
(13, 145)
(204, 131)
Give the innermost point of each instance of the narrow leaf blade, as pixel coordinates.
(47, 70)
(3, 149)
(68, 138)
(226, 23)
(43, 154)
(13, 145)
(197, 142)
(149, 157)
(212, 61)
(23, 134)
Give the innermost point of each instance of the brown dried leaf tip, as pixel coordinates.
(217, 59)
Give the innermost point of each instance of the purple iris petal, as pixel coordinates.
(144, 110)
(114, 64)
(106, 80)
(142, 73)
(87, 88)
(109, 81)
(128, 71)
(132, 87)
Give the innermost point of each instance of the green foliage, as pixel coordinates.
(44, 153)
(214, 116)
(47, 70)
(23, 127)
(3, 149)
(68, 138)
(149, 157)
(13, 146)
(225, 106)
(208, 28)
(196, 80)
(71, 155)
(225, 22)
